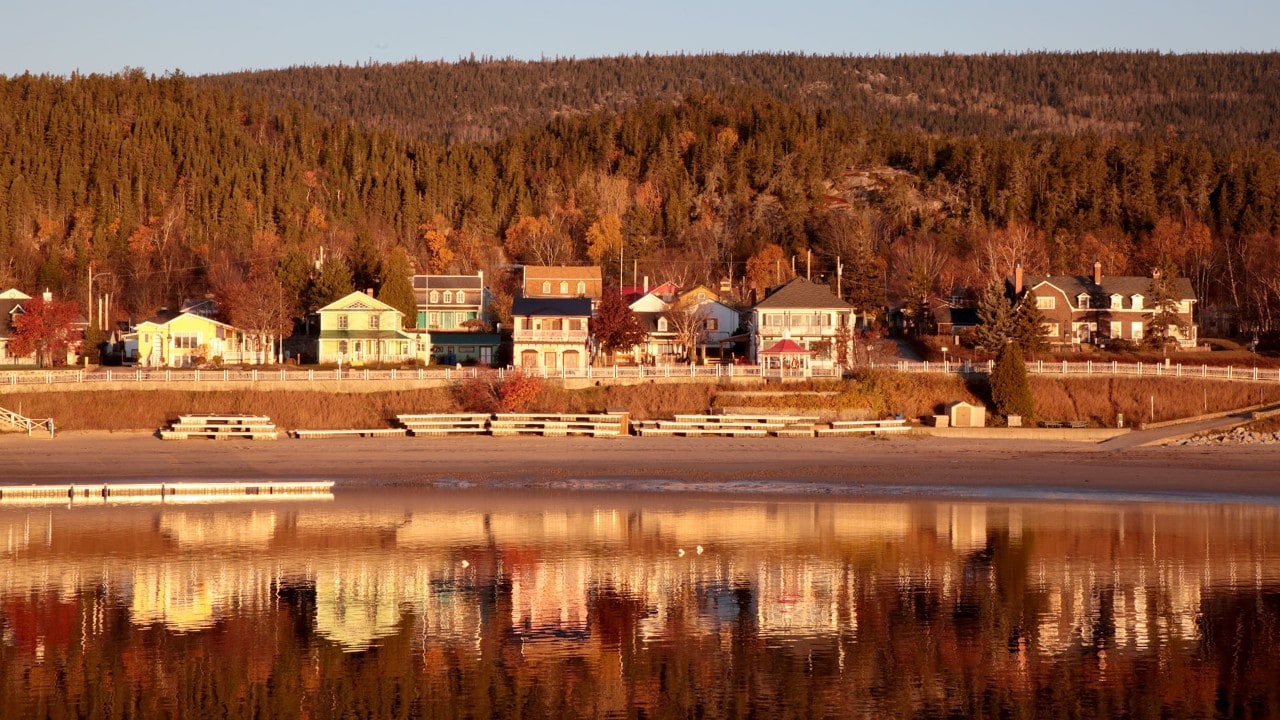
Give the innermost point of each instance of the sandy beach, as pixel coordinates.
(917, 465)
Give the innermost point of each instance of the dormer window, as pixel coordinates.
(448, 296)
(662, 324)
(564, 288)
(546, 287)
(435, 297)
(461, 297)
(582, 288)
(1136, 299)
(1082, 301)
(1117, 302)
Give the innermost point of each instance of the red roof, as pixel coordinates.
(786, 346)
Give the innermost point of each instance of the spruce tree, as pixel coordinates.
(1010, 391)
(995, 318)
(333, 283)
(397, 286)
(1164, 305)
(1028, 324)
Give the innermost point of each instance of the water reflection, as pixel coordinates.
(476, 605)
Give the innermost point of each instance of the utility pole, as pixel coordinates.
(808, 265)
(839, 282)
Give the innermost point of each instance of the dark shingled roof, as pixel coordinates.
(447, 282)
(802, 294)
(1125, 285)
(551, 307)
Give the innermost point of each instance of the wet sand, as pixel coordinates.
(866, 466)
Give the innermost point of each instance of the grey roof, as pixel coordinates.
(1126, 285)
(551, 307)
(802, 294)
(465, 338)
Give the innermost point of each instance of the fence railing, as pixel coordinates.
(9, 417)
(451, 374)
(1092, 368)
(448, 374)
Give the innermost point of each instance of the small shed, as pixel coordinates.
(963, 414)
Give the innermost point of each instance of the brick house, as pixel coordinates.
(1081, 309)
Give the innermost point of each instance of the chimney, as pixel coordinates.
(1017, 279)
(1097, 273)
(368, 291)
(48, 296)
(646, 284)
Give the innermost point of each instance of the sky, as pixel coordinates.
(92, 36)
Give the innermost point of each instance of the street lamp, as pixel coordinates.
(944, 359)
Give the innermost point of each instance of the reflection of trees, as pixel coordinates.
(954, 610)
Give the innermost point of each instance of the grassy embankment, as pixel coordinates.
(876, 394)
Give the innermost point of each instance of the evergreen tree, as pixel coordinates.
(397, 286)
(295, 275)
(995, 318)
(1028, 324)
(365, 265)
(1010, 391)
(333, 283)
(1164, 304)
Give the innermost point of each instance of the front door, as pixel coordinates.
(549, 360)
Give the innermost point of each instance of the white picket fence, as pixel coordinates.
(164, 375)
(708, 372)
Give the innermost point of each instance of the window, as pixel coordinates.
(564, 287)
(1137, 301)
(435, 320)
(1082, 301)
(186, 342)
(711, 324)
(342, 322)
(342, 347)
(422, 319)
(702, 297)
(662, 324)
(435, 297)
(1116, 328)
(1135, 330)
(1117, 303)
(546, 287)
(359, 347)
(448, 296)
(1045, 303)
(374, 322)
(422, 347)
(1051, 329)
(461, 298)
(582, 288)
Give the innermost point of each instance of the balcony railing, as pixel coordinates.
(573, 336)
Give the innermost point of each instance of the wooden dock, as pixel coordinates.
(558, 425)
(729, 426)
(364, 432)
(218, 427)
(863, 427)
(445, 424)
(163, 492)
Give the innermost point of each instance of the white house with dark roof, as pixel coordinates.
(550, 333)
(1098, 309)
(806, 313)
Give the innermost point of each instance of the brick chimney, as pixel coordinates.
(1097, 273)
(1017, 279)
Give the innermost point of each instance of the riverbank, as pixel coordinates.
(910, 464)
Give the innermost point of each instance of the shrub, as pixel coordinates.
(1010, 391)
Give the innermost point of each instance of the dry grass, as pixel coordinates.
(878, 393)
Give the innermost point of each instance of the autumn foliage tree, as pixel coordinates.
(46, 329)
(615, 327)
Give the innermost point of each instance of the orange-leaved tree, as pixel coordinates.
(46, 329)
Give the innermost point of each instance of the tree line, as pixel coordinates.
(166, 188)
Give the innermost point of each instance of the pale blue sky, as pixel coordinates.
(61, 36)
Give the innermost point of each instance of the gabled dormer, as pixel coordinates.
(1082, 301)
(1117, 301)
(1135, 301)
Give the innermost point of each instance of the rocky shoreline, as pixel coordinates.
(1238, 436)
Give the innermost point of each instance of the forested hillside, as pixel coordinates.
(172, 187)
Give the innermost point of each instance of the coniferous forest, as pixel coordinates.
(920, 174)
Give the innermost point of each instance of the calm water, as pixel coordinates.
(468, 604)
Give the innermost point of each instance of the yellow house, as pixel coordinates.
(186, 340)
(360, 329)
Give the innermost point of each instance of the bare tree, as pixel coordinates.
(689, 323)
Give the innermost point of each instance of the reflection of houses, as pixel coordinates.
(360, 329)
(454, 310)
(550, 333)
(186, 339)
(1080, 309)
(808, 314)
